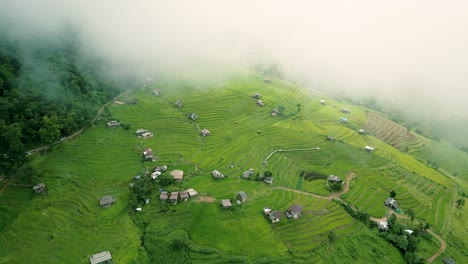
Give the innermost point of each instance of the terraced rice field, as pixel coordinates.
(69, 223)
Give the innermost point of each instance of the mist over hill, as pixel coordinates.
(410, 56)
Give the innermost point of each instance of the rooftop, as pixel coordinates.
(100, 257)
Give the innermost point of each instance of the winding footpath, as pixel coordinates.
(44, 147)
(337, 196)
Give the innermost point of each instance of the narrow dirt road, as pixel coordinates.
(83, 128)
(443, 244)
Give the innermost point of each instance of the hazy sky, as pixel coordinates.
(399, 50)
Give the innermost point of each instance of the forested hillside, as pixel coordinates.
(48, 89)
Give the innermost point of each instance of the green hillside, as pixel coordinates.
(67, 225)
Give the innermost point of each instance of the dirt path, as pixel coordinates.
(443, 244)
(83, 128)
(330, 197)
(442, 248)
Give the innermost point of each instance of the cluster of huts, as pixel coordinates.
(143, 133)
(174, 197)
(275, 216)
(241, 197)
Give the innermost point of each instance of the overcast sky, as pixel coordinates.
(397, 50)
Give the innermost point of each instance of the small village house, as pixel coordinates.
(247, 174)
(392, 203)
(163, 196)
(323, 102)
(260, 103)
(241, 196)
(140, 131)
(344, 120)
(155, 175)
(294, 211)
(448, 261)
(226, 204)
(267, 80)
(174, 197)
(334, 178)
(362, 131)
(216, 174)
(193, 116)
(409, 231)
(39, 187)
(256, 96)
(205, 132)
(178, 104)
(275, 112)
(382, 225)
(268, 179)
(113, 124)
(104, 257)
(369, 148)
(156, 92)
(178, 175)
(275, 216)
(107, 201)
(330, 138)
(147, 135)
(184, 196)
(192, 193)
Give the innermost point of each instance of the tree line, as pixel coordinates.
(48, 90)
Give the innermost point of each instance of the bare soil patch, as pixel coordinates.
(206, 199)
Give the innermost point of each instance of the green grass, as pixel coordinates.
(69, 225)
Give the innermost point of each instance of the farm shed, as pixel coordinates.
(369, 148)
(113, 124)
(344, 120)
(107, 201)
(330, 138)
(268, 180)
(390, 202)
(178, 175)
(101, 258)
(140, 131)
(260, 103)
(226, 203)
(256, 96)
(323, 102)
(184, 196)
(192, 192)
(241, 196)
(362, 131)
(174, 197)
(39, 187)
(267, 80)
(163, 197)
(294, 211)
(275, 216)
(382, 225)
(178, 104)
(266, 211)
(205, 132)
(334, 178)
(247, 174)
(216, 174)
(193, 116)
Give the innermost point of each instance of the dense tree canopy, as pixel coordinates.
(48, 89)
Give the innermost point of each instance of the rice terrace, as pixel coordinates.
(246, 169)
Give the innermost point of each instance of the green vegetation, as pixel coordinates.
(69, 224)
(47, 92)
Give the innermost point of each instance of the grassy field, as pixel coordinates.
(66, 225)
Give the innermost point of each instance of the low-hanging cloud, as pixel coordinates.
(406, 52)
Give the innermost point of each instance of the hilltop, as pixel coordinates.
(67, 225)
